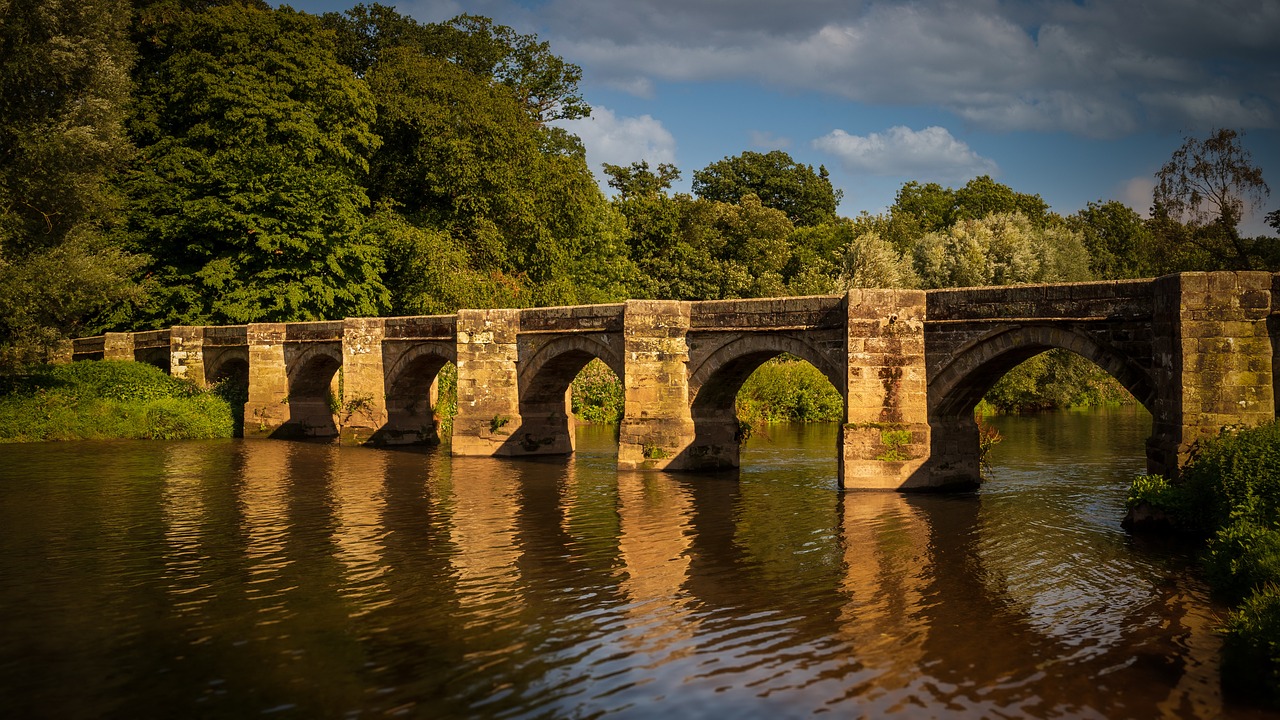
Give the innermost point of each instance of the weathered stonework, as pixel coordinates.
(1214, 360)
(488, 419)
(363, 410)
(1200, 350)
(267, 409)
(186, 354)
(886, 434)
(657, 427)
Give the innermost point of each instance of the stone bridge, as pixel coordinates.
(1199, 350)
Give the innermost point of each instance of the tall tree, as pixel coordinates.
(1207, 185)
(64, 81)
(1118, 241)
(806, 197)
(247, 192)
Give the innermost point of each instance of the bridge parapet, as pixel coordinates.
(768, 314)
(1117, 299)
(572, 318)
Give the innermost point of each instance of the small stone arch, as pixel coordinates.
(226, 363)
(958, 386)
(716, 380)
(311, 373)
(544, 376)
(548, 371)
(410, 384)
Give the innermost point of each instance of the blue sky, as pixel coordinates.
(1075, 101)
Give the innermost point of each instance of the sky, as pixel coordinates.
(1075, 101)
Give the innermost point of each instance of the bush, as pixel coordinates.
(1251, 646)
(1241, 558)
(1237, 475)
(105, 399)
(1057, 379)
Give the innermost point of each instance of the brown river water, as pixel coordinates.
(267, 578)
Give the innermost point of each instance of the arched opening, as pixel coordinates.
(421, 398)
(547, 422)
(156, 357)
(597, 402)
(716, 384)
(230, 381)
(314, 397)
(959, 440)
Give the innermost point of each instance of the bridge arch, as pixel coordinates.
(714, 383)
(974, 368)
(544, 377)
(311, 374)
(411, 394)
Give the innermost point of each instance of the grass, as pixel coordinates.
(106, 399)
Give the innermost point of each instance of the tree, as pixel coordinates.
(1117, 238)
(637, 180)
(541, 82)
(1207, 184)
(247, 191)
(781, 183)
(64, 80)
(872, 262)
(1000, 249)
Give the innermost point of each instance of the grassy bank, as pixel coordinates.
(106, 400)
(1230, 495)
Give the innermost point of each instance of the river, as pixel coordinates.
(245, 578)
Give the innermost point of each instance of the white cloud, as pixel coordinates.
(622, 140)
(929, 154)
(1136, 193)
(1096, 69)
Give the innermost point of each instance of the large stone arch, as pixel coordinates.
(715, 380)
(311, 372)
(544, 376)
(411, 393)
(975, 367)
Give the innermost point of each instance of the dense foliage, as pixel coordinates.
(108, 399)
(1230, 493)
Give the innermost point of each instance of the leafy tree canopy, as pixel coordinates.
(247, 194)
(1207, 185)
(64, 82)
(806, 197)
(1117, 238)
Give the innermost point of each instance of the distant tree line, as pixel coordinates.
(220, 161)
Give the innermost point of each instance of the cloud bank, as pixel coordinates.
(928, 154)
(1094, 69)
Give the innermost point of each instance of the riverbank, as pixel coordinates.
(107, 399)
(1230, 494)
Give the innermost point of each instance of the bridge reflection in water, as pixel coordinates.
(234, 578)
(1197, 350)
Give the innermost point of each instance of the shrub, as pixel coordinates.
(789, 389)
(1237, 475)
(1251, 646)
(597, 394)
(108, 399)
(1241, 558)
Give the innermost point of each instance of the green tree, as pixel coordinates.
(870, 261)
(461, 156)
(64, 80)
(247, 192)
(1117, 238)
(1207, 185)
(1000, 249)
(806, 197)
